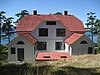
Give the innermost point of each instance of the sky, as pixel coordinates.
(78, 8)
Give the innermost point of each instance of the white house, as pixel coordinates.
(49, 37)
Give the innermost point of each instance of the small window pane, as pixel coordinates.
(41, 46)
(50, 22)
(43, 32)
(20, 42)
(60, 32)
(60, 46)
(13, 50)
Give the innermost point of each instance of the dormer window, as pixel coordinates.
(50, 22)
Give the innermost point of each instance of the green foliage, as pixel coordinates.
(21, 15)
(8, 28)
(58, 13)
(3, 52)
(2, 17)
(91, 23)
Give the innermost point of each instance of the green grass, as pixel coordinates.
(79, 65)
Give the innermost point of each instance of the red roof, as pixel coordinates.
(30, 22)
(28, 37)
(53, 56)
(74, 37)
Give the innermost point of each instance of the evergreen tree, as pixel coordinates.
(8, 28)
(97, 25)
(91, 23)
(1, 18)
(21, 15)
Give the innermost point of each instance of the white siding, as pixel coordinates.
(79, 49)
(28, 50)
(51, 39)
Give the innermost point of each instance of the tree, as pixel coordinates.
(8, 28)
(58, 13)
(91, 23)
(3, 52)
(21, 14)
(97, 25)
(1, 18)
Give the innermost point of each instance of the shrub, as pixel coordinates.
(3, 52)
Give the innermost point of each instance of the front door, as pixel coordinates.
(20, 54)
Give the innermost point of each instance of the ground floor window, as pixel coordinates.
(90, 50)
(59, 45)
(41, 45)
(13, 51)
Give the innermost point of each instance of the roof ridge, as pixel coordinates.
(54, 16)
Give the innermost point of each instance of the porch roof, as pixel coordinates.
(53, 56)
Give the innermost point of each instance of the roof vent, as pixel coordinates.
(63, 57)
(35, 12)
(65, 12)
(46, 56)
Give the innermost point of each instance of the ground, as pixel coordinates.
(79, 65)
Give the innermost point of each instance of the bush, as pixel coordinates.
(3, 52)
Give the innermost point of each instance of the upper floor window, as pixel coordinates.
(41, 45)
(43, 32)
(13, 50)
(59, 46)
(20, 42)
(61, 32)
(83, 42)
(50, 22)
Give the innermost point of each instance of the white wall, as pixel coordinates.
(51, 39)
(79, 49)
(28, 50)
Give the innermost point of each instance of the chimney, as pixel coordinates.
(34, 12)
(65, 12)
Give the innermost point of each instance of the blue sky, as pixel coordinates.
(79, 8)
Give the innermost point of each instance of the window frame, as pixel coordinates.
(43, 32)
(59, 47)
(13, 50)
(50, 22)
(45, 46)
(59, 33)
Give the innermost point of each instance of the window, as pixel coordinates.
(43, 32)
(90, 50)
(13, 50)
(41, 46)
(60, 32)
(59, 46)
(83, 42)
(50, 22)
(20, 42)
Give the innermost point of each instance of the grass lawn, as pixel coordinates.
(79, 65)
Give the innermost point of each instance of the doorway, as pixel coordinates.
(20, 54)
